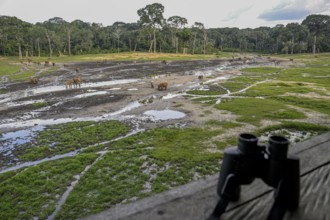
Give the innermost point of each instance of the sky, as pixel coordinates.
(212, 13)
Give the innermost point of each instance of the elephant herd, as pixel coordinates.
(75, 82)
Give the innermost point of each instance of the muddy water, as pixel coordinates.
(10, 140)
(8, 97)
(33, 163)
(166, 114)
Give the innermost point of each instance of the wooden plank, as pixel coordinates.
(315, 200)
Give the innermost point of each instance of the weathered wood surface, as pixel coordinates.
(196, 200)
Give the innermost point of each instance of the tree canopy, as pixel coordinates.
(56, 37)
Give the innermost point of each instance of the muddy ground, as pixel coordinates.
(117, 88)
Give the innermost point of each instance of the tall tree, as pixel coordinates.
(197, 27)
(118, 31)
(152, 16)
(175, 23)
(316, 24)
(185, 35)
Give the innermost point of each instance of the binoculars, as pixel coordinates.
(270, 162)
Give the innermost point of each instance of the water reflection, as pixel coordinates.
(164, 114)
(11, 140)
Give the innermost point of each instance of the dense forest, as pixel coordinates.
(154, 33)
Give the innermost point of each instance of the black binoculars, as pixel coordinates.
(270, 162)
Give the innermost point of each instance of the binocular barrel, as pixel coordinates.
(247, 144)
(278, 147)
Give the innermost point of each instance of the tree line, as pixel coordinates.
(154, 33)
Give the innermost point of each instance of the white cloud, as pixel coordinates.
(295, 9)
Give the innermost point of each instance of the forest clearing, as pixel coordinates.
(114, 137)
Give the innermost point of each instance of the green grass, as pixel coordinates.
(295, 126)
(311, 74)
(9, 65)
(64, 138)
(24, 75)
(269, 89)
(316, 104)
(262, 70)
(206, 92)
(164, 158)
(310, 59)
(238, 83)
(39, 104)
(204, 100)
(33, 192)
(253, 110)
(223, 124)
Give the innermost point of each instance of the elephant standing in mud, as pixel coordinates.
(77, 81)
(162, 86)
(34, 80)
(68, 84)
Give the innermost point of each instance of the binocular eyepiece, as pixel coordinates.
(270, 162)
(277, 146)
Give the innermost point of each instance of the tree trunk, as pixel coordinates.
(38, 44)
(173, 38)
(69, 42)
(314, 45)
(177, 45)
(49, 45)
(205, 41)
(150, 48)
(292, 44)
(194, 43)
(154, 40)
(118, 45)
(20, 57)
(256, 43)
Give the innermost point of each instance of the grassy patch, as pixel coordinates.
(295, 126)
(236, 84)
(320, 105)
(33, 192)
(39, 104)
(222, 124)
(176, 144)
(206, 92)
(24, 75)
(277, 88)
(204, 100)
(252, 110)
(294, 131)
(262, 70)
(9, 65)
(310, 74)
(141, 165)
(59, 139)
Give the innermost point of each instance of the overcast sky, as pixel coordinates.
(212, 13)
